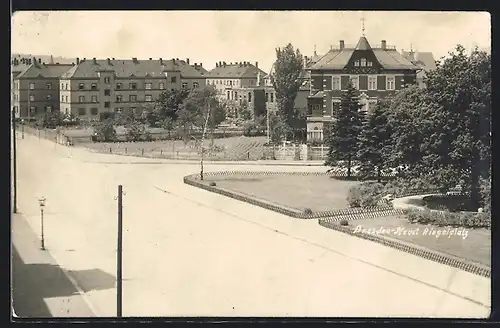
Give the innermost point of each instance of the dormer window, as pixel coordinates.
(363, 62)
(356, 63)
(369, 63)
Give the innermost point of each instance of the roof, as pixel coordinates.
(44, 71)
(363, 44)
(236, 71)
(130, 68)
(200, 69)
(389, 58)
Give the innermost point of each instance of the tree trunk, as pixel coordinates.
(379, 174)
(349, 166)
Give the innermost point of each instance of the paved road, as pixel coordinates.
(188, 252)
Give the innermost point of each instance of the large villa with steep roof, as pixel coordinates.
(376, 71)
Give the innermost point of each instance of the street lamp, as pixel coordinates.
(41, 202)
(22, 128)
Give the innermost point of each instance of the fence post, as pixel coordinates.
(161, 152)
(110, 149)
(126, 150)
(142, 151)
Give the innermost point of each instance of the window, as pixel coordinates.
(267, 97)
(62, 86)
(32, 98)
(369, 63)
(32, 86)
(48, 86)
(228, 95)
(133, 86)
(336, 83)
(94, 99)
(106, 104)
(147, 86)
(249, 97)
(184, 85)
(372, 83)
(132, 98)
(94, 111)
(66, 111)
(118, 98)
(173, 79)
(62, 98)
(133, 109)
(195, 85)
(82, 111)
(49, 97)
(48, 109)
(66, 98)
(67, 86)
(162, 86)
(119, 110)
(355, 81)
(335, 106)
(118, 86)
(390, 85)
(32, 109)
(363, 62)
(93, 86)
(272, 96)
(107, 92)
(81, 86)
(356, 63)
(81, 99)
(106, 80)
(235, 95)
(149, 98)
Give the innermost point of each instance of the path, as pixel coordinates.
(191, 252)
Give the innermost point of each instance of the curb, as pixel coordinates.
(450, 260)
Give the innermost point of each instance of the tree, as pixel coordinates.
(105, 130)
(169, 125)
(375, 142)
(50, 120)
(167, 105)
(287, 80)
(136, 131)
(343, 138)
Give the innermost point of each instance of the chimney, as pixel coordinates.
(84, 59)
(77, 60)
(109, 61)
(224, 63)
(257, 64)
(95, 61)
(384, 44)
(150, 58)
(161, 61)
(72, 64)
(39, 60)
(187, 61)
(216, 65)
(201, 64)
(134, 59)
(29, 61)
(113, 58)
(342, 45)
(258, 79)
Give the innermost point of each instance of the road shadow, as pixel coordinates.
(33, 283)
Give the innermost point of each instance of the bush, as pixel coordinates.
(212, 184)
(344, 222)
(402, 187)
(450, 203)
(443, 218)
(366, 194)
(104, 131)
(485, 188)
(308, 211)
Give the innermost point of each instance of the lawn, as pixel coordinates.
(473, 245)
(319, 193)
(233, 148)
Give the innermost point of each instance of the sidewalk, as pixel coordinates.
(40, 288)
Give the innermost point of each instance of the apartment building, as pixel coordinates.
(96, 89)
(376, 72)
(36, 89)
(227, 79)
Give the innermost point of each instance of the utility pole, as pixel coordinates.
(203, 138)
(119, 254)
(14, 159)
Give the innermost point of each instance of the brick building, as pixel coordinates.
(95, 89)
(375, 71)
(37, 88)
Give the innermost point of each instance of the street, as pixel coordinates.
(188, 252)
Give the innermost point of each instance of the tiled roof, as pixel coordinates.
(363, 44)
(236, 71)
(337, 59)
(47, 71)
(130, 68)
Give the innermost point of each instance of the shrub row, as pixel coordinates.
(332, 174)
(445, 218)
(370, 193)
(418, 251)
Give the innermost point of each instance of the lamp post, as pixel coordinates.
(41, 202)
(203, 139)
(22, 128)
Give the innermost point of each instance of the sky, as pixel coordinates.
(232, 36)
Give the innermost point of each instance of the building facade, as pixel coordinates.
(424, 60)
(376, 72)
(36, 89)
(96, 89)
